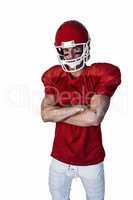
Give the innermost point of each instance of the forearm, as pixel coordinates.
(92, 116)
(56, 114)
(84, 119)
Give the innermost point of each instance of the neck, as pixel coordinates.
(78, 73)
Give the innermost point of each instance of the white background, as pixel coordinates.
(27, 30)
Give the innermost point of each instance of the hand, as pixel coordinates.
(80, 108)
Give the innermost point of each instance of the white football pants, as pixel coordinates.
(62, 174)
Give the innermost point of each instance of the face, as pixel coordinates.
(74, 52)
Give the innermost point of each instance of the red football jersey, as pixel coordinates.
(74, 144)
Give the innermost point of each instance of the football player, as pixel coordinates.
(77, 97)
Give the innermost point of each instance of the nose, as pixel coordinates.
(71, 54)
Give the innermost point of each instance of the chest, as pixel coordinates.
(75, 91)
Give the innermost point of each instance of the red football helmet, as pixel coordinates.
(71, 34)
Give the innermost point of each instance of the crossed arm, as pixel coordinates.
(78, 115)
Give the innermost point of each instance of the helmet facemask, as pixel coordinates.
(75, 64)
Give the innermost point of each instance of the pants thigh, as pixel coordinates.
(59, 182)
(92, 178)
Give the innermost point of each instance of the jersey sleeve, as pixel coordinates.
(48, 82)
(109, 79)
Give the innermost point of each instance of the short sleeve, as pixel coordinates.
(48, 82)
(109, 79)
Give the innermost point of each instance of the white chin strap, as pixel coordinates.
(74, 69)
(72, 65)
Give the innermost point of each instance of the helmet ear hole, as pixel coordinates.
(89, 47)
(87, 52)
(88, 44)
(60, 53)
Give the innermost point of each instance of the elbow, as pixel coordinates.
(45, 120)
(92, 123)
(44, 117)
(95, 122)
(97, 119)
